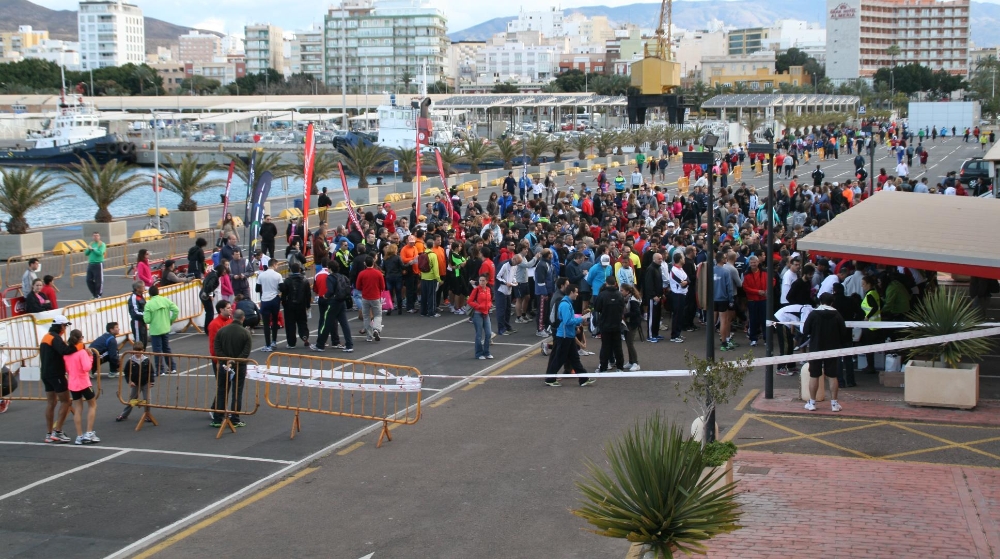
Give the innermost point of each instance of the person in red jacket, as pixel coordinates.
(371, 284)
(755, 286)
(481, 300)
(224, 316)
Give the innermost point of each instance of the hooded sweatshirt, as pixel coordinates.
(159, 314)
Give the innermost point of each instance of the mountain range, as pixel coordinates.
(62, 24)
(688, 14)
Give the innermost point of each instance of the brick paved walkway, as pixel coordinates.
(879, 405)
(845, 507)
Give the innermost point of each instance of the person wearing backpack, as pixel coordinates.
(371, 284)
(430, 278)
(338, 300)
(208, 286)
(564, 349)
(296, 296)
(611, 306)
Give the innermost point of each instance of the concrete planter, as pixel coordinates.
(804, 385)
(114, 233)
(189, 221)
(24, 244)
(727, 475)
(927, 385)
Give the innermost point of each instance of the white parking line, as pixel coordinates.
(57, 476)
(154, 451)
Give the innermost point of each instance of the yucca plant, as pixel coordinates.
(23, 190)
(187, 178)
(363, 160)
(657, 493)
(535, 146)
(104, 184)
(476, 151)
(942, 313)
(581, 144)
(508, 150)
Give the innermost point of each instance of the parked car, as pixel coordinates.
(978, 170)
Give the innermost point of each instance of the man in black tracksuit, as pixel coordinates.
(652, 291)
(827, 331)
(232, 341)
(268, 231)
(611, 305)
(136, 306)
(296, 296)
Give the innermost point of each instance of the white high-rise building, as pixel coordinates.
(547, 22)
(264, 44)
(112, 33)
(307, 53)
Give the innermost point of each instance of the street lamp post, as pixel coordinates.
(156, 169)
(769, 255)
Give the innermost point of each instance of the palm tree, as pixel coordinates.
(22, 191)
(104, 184)
(669, 135)
(475, 151)
(621, 138)
(752, 120)
(450, 156)
(324, 167)
(508, 150)
(188, 178)
(604, 142)
(697, 133)
(535, 146)
(581, 144)
(638, 137)
(363, 160)
(407, 158)
(559, 146)
(265, 162)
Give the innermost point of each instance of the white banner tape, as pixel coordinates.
(398, 384)
(874, 324)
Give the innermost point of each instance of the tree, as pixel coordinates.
(604, 142)
(506, 87)
(983, 82)
(363, 160)
(104, 184)
(265, 162)
(559, 146)
(23, 190)
(752, 119)
(791, 57)
(508, 150)
(187, 178)
(535, 146)
(475, 151)
(200, 85)
(571, 81)
(437, 87)
(32, 73)
(255, 84)
(324, 167)
(581, 144)
(407, 158)
(406, 79)
(450, 156)
(610, 85)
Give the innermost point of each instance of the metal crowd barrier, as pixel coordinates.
(328, 386)
(194, 387)
(21, 375)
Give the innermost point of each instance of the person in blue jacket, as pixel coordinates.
(564, 349)
(597, 274)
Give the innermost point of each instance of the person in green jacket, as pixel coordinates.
(96, 252)
(429, 282)
(159, 315)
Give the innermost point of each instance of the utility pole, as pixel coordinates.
(768, 148)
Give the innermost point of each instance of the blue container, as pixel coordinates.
(297, 204)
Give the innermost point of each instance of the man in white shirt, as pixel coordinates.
(788, 278)
(833, 279)
(270, 305)
(506, 281)
(636, 179)
(678, 296)
(950, 191)
(852, 283)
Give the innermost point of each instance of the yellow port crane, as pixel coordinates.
(657, 73)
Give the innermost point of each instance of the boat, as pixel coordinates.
(72, 135)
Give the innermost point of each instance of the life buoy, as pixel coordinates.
(127, 148)
(409, 124)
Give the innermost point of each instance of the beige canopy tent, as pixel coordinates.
(955, 234)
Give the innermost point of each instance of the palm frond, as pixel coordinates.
(187, 178)
(941, 313)
(363, 160)
(23, 190)
(104, 184)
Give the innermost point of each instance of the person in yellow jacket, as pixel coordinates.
(871, 304)
(429, 281)
(160, 314)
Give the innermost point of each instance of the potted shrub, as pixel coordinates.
(22, 191)
(936, 375)
(187, 178)
(656, 494)
(718, 459)
(712, 382)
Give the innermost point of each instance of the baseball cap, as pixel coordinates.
(671, 224)
(60, 319)
(605, 260)
(835, 183)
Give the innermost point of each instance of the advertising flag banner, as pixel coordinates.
(351, 214)
(307, 173)
(260, 193)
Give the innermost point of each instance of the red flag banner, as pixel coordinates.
(307, 174)
(351, 214)
(444, 179)
(416, 184)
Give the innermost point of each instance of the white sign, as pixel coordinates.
(843, 11)
(861, 110)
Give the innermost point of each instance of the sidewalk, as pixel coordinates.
(880, 405)
(805, 506)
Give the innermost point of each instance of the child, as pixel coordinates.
(78, 365)
(139, 372)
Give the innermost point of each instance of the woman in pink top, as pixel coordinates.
(225, 280)
(142, 271)
(78, 366)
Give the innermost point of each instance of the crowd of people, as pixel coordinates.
(617, 260)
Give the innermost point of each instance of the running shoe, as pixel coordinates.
(313, 347)
(784, 373)
(376, 335)
(634, 367)
(652, 340)
(481, 357)
(92, 437)
(810, 406)
(546, 350)
(339, 346)
(348, 350)
(4, 404)
(753, 343)
(588, 382)
(835, 405)
(677, 340)
(80, 440)
(266, 349)
(542, 334)
(61, 437)
(553, 383)
(215, 424)
(239, 424)
(489, 356)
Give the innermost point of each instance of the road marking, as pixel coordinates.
(462, 341)
(155, 451)
(130, 549)
(814, 438)
(731, 434)
(444, 400)
(59, 475)
(500, 371)
(351, 448)
(964, 446)
(747, 399)
(822, 434)
(223, 514)
(409, 341)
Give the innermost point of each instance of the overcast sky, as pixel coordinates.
(232, 15)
